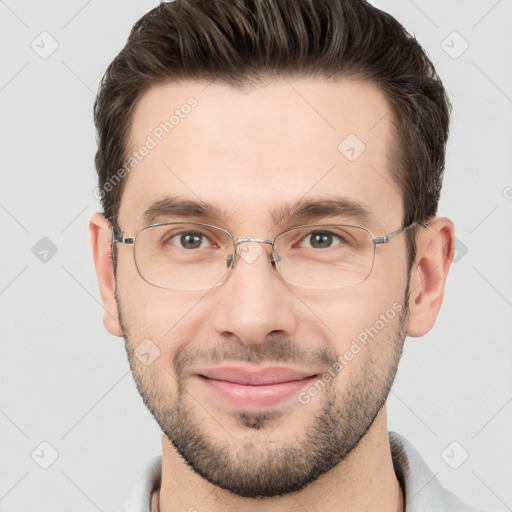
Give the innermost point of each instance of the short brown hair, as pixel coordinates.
(238, 42)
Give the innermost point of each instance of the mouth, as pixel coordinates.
(240, 387)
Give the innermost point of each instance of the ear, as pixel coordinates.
(434, 254)
(101, 241)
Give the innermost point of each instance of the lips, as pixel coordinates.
(250, 389)
(265, 376)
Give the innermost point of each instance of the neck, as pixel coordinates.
(364, 480)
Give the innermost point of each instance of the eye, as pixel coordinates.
(189, 240)
(321, 239)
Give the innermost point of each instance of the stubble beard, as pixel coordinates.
(259, 468)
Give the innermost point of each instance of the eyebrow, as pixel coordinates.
(306, 210)
(174, 206)
(303, 211)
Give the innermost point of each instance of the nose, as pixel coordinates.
(254, 303)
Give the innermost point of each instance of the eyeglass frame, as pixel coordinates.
(119, 238)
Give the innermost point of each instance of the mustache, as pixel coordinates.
(275, 350)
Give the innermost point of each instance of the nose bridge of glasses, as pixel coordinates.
(248, 254)
(250, 239)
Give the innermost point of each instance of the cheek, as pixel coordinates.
(146, 309)
(153, 316)
(368, 343)
(361, 324)
(346, 313)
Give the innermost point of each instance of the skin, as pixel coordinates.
(247, 152)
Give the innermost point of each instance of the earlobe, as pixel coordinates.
(101, 241)
(428, 276)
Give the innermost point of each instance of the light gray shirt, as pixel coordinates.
(423, 491)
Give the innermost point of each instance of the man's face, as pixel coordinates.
(250, 153)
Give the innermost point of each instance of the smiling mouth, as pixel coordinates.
(255, 390)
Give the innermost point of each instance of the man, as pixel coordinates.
(270, 172)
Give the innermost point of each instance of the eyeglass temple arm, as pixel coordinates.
(119, 238)
(387, 238)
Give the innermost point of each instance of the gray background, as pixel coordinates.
(66, 381)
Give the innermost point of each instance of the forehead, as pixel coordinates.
(253, 151)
